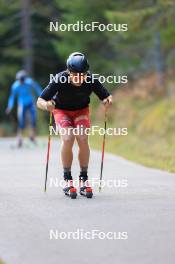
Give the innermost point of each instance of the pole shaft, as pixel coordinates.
(103, 151)
(48, 153)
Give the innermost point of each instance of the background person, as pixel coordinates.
(22, 89)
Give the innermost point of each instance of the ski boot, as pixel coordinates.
(69, 189)
(85, 189)
(19, 143)
(32, 139)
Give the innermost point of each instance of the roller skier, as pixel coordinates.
(68, 101)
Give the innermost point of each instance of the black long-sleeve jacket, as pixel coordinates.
(70, 97)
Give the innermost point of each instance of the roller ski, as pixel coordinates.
(85, 189)
(69, 189)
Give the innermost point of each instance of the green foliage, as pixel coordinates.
(145, 20)
(130, 52)
(94, 44)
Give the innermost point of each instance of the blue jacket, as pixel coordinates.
(23, 92)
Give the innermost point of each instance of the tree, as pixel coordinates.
(151, 36)
(27, 35)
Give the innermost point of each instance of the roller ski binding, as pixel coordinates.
(85, 189)
(69, 189)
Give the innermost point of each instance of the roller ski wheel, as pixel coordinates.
(86, 191)
(71, 192)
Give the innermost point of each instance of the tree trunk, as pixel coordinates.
(27, 36)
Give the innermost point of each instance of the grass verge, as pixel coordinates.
(151, 132)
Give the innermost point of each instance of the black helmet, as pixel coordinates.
(21, 75)
(77, 62)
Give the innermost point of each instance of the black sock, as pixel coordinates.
(83, 174)
(83, 170)
(67, 174)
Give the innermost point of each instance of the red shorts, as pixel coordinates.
(66, 118)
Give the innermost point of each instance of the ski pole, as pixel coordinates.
(48, 152)
(103, 150)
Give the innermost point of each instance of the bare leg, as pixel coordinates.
(84, 151)
(67, 158)
(66, 150)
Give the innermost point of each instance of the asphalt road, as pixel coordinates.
(143, 212)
